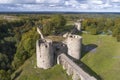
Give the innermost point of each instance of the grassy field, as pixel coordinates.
(105, 58)
(28, 71)
(101, 54)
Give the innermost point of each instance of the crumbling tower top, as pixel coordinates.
(78, 24)
(39, 31)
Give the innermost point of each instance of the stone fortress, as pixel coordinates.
(65, 53)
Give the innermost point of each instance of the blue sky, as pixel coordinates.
(61, 5)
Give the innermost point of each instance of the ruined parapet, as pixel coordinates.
(39, 31)
(78, 26)
(74, 44)
(44, 53)
(66, 35)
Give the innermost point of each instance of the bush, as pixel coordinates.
(118, 38)
(4, 75)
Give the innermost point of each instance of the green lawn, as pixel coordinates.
(105, 59)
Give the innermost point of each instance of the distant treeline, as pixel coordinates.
(107, 26)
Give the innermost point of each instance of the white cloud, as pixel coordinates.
(32, 1)
(84, 6)
(40, 1)
(115, 0)
(16, 1)
(108, 4)
(6, 1)
(72, 3)
(96, 1)
(54, 1)
(24, 1)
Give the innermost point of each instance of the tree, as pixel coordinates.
(4, 75)
(25, 48)
(53, 25)
(48, 27)
(116, 30)
(84, 24)
(4, 61)
(58, 22)
(92, 29)
(118, 37)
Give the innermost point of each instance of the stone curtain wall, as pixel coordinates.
(72, 69)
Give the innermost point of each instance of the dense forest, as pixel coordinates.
(18, 37)
(12, 34)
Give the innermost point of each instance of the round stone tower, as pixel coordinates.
(74, 44)
(78, 24)
(44, 53)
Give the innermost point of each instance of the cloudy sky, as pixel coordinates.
(61, 5)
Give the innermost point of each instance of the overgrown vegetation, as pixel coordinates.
(11, 33)
(25, 48)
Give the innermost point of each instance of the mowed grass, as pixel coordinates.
(105, 59)
(30, 72)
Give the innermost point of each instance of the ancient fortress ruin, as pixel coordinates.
(65, 53)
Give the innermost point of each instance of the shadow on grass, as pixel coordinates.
(88, 48)
(17, 74)
(85, 68)
(88, 70)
